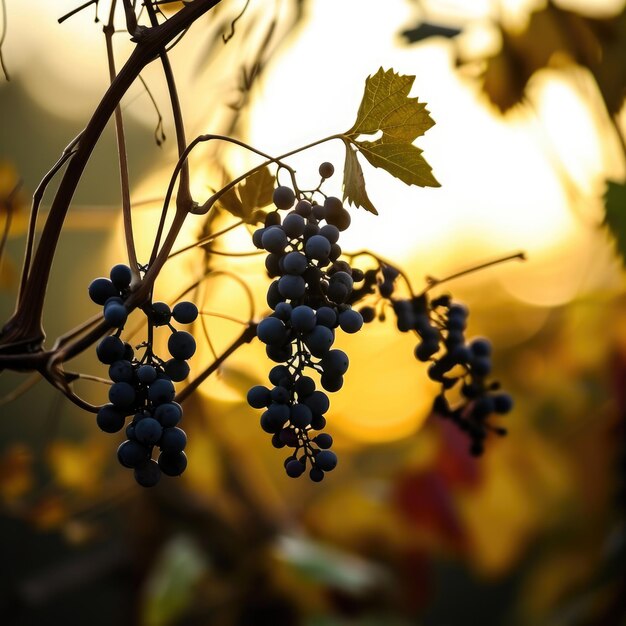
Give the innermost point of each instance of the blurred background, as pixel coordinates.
(409, 529)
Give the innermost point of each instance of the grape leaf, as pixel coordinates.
(354, 182)
(615, 215)
(387, 108)
(255, 192)
(402, 160)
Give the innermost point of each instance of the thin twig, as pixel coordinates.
(227, 38)
(434, 282)
(122, 156)
(184, 199)
(34, 210)
(78, 10)
(206, 239)
(159, 133)
(246, 337)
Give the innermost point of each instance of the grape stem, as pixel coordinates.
(434, 282)
(246, 336)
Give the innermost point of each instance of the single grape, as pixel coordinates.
(317, 247)
(185, 312)
(318, 402)
(319, 340)
(292, 287)
(326, 460)
(122, 395)
(121, 371)
(110, 349)
(326, 169)
(149, 474)
(274, 239)
(350, 321)
(294, 468)
(115, 314)
(316, 474)
(258, 397)
(176, 369)
(325, 316)
(502, 403)
(295, 263)
(121, 276)
(283, 197)
(173, 440)
(293, 225)
(161, 391)
(110, 419)
(303, 318)
(148, 431)
(101, 289)
(181, 345)
(173, 463)
(160, 313)
(323, 441)
(300, 415)
(303, 208)
(168, 414)
(132, 454)
(331, 381)
(271, 331)
(146, 374)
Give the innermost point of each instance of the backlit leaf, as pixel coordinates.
(255, 192)
(387, 108)
(402, 160)
(354, 182)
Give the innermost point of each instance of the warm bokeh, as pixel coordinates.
(409, 529)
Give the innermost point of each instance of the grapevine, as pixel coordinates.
(317, 292)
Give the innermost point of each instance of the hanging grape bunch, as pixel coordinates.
(460, 366)
(143, 386)
(309, 298)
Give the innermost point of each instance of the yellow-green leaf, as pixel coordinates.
(354, 182)
(255, 192)
(402, 160)
(386, 107)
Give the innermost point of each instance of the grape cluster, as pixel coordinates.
(456, 364)
(144, 387)
(310, 300)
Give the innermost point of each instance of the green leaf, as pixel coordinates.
(402, 160)
(615, 215)
(354, 182)
(386, 108)
(255, 192)
(173, 581)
